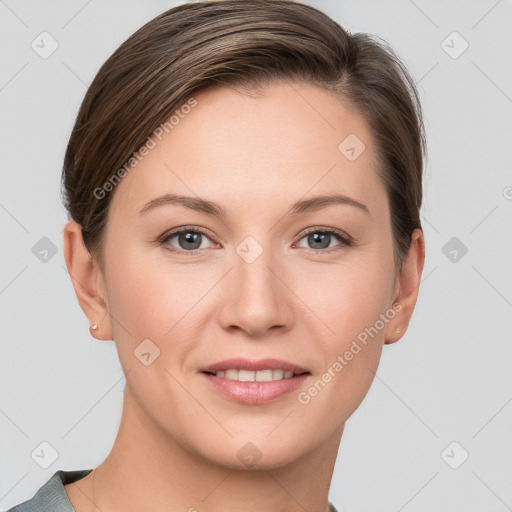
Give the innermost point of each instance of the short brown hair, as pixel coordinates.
(248, 43)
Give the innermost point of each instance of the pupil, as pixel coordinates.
(189, 238)
(319, 238)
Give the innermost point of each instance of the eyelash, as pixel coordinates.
(346, 240)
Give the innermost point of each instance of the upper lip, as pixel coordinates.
(240, 363)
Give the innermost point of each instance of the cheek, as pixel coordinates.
(152, 297)
(350, 301)
(138, 296)
(348, 297)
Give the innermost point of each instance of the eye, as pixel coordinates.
(322, 238)
(188, 240)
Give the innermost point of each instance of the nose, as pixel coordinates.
(257, 298)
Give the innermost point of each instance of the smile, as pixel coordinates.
(255, 376)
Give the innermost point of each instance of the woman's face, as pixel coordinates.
(262, 280)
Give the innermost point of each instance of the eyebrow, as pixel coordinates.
(202, 205)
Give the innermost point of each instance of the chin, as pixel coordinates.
(257, 455)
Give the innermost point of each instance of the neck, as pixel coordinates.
(147, 466)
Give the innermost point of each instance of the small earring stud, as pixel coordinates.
(398, 330)
(94, 327)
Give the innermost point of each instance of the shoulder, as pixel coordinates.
(52, 497)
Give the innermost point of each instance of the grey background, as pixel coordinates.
(449, 379)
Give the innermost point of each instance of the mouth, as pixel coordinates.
(254, 381)
(267, 375)
(254, 370)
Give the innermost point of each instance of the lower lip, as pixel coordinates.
(255, 392)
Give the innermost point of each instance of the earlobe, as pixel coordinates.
(87, 280)
(409, 282)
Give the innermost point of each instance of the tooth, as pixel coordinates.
(278, 374)
(232, 374)
(246, 376)
(264, 376)
(255, 376)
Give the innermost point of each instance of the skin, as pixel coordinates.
(254, 155)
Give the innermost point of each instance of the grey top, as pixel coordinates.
(52, 496)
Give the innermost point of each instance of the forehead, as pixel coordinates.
(284, 143)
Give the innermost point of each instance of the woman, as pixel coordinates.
(243, 184)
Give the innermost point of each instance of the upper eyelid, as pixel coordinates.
(334, 231)
(177, 231)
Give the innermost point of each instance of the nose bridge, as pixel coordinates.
(256, 284)
(258, 300)
(252, 269)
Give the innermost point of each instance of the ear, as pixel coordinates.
(406, 290)
(88, 281)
